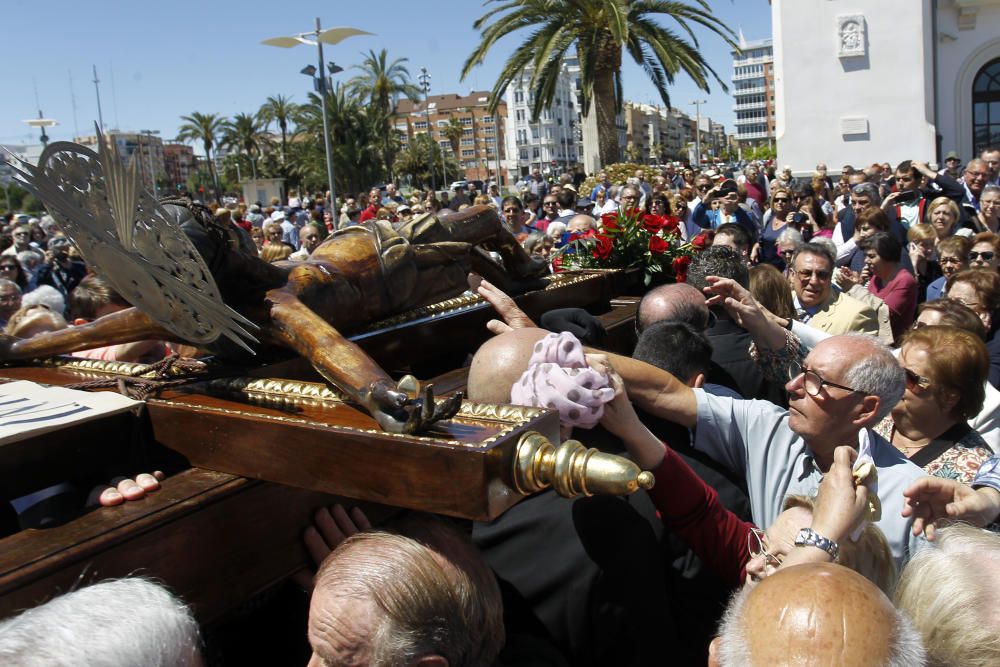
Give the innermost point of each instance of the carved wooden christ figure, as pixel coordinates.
(194, 281)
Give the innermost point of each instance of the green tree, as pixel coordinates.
(281, 110)
(206, 128)
(247, 135)
(381, 84)
(454, 131)
(422, 156)
(354, 137)
(600, 31)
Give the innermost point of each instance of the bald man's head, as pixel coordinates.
(816, 614)
(499, 362)
(677, 302)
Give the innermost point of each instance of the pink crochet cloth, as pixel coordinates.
(559, 378)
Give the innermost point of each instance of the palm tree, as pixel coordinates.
(600, 30)
(454, 131)
(381, 84)
(246, 133)
(206, 128)
(281, 110)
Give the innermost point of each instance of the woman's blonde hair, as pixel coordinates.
(869, 556)
(275, 252)
(949, 590)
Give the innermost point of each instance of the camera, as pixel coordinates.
(907, 196)
(797, 218)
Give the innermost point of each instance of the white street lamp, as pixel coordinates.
(317, 38)
(41, 122)
(697, 131)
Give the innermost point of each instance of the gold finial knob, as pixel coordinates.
(573, 469)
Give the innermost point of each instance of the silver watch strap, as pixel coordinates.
(808, 537)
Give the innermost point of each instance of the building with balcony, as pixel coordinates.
(179, 163)
(655, 135)
(480, 149)
(143, 149)
(753, 90)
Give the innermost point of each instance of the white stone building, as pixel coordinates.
(861, 82)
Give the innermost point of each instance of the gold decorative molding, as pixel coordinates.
(102, 367)
(278, 390)
(510, 417)
(468, 300)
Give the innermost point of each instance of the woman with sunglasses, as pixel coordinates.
(775, 221)
(946, 371)
(985, 251)
(11, 269)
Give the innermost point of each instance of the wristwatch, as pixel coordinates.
(808, 537)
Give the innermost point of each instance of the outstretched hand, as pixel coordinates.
(331, 526)
(512, 316)
(934, 501)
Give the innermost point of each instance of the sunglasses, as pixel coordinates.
(986, 256)
(780, 200)
(915, 382)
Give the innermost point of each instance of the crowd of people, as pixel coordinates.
(817, 402)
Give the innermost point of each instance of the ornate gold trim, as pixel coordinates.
(467, 300)
(513, 417)
(101, 366)
(278, 390)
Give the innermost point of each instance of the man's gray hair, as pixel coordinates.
(46, 295)
(877, 373)
(990, 189)
(115, 623)
(869, 190)
(721, 261)
(789, 235)
(432, 593)
(815, 249)
(733, 648)
(10, 284)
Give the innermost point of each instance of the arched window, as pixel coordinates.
(986, 107)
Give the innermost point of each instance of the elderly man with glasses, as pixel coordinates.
(817, 303)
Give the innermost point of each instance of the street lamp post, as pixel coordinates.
(425, 85)
(41, 122)
(697, 130)
(152, 167)
(330, 36)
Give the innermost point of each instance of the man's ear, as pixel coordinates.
(697, 382)
(431, 661)
(868, 408)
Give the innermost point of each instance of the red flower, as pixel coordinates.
(702, 241)
(670, 224)
(681, 267)
(557, 262)
(603, 247)
(653, 223)
(609, 221)
(658, 245)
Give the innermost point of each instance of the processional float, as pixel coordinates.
(296, 403)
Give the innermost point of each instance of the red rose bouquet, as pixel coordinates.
(627, 239)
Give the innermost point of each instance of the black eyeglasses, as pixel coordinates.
(550, 203)
(813, 381)
(987, 255)
(780, 200)
(8, 267)
(951, 260)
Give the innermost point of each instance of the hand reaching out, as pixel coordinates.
(513, 316)
(331, 526)
(840, 504)
(933, 501)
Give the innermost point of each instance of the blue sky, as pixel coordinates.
(158, 61)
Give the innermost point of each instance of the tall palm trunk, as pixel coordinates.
(604, 103)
